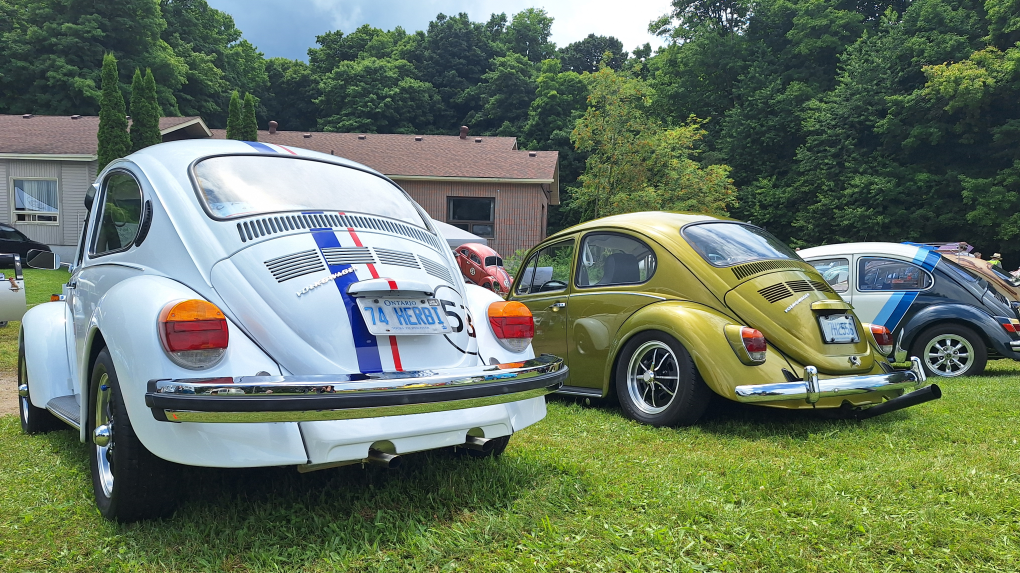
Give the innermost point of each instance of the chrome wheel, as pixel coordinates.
(949, 355)
(103, 434)
(652, 377)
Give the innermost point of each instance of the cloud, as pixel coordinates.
(288, 29)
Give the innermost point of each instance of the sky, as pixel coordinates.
(288, 28)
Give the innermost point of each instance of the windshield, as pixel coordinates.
(242, 185)
(726, 244)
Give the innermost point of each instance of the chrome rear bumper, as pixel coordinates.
(812, 389)
(353, 396)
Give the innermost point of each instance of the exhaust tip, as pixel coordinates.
(936, 392)
(382, 459)
(479, 444)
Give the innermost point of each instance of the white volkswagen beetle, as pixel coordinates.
(240, 304)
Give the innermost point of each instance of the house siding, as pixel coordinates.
(520, 211)
(76, 180)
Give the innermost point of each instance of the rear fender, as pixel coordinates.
(44, 329)
(490, 351)
(127, 318)
(986, 326)
(700, 330)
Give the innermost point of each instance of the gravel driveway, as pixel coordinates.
(8, 395)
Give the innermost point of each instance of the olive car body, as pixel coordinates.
(238, 304)
(949, 317)
(664, 307)
(483, 266)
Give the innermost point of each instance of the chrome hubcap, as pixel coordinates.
(652, 377)
(949, 355)
(103, 435)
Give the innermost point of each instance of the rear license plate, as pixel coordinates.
(391, 316)
(838, 329)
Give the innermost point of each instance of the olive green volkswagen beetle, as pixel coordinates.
(665, 308)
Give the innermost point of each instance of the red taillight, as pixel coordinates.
(512, 324)
(754, 343)
(1010, 327)
(883, 338)
(193, 332)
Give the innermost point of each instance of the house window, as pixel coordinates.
(35, 200)
(473, 214)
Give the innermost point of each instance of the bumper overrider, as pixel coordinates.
(812, 389)
(351, 396)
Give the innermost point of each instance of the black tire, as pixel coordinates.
(642, 397)
(33, 420)
(935, 346)
(132, 484)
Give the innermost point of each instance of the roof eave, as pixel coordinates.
(51, 156)
(469, 179)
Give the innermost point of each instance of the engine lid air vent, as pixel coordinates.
(292, 266)
(348, 256)
(776, 292)
(397, 258)
(437, 270)
(748, 269)
(255, 228)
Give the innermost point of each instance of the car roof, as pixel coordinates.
(666, 222)
(904, 250)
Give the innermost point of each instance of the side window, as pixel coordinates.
(119, 215)
(610, 259)
(875, 274)
(836, 272)
(475, 259)
(547, 270)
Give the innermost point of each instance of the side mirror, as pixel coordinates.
(38, 259)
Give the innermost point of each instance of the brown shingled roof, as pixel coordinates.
(399, 155)
(61, 135)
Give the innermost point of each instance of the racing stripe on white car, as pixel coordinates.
(893, 310)
(366, 346)
(392, 340)
(269, 147)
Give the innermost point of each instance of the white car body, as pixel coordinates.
(12, 289)
(283, 281)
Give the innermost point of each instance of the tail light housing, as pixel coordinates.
(754, 343)
(512, 324)
(194, 333)
(882, 338)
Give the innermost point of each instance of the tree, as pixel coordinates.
(586, 55)
(113, 136)
(249, 125)
(145, 112)
(507, 89)
(234, 118)
(290, 99)
(376, 96)
(635, 163)
(528, 35)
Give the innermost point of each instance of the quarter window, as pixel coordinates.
(120, 216)
(547, 270)
(36, 200)
(609, 259)
(875, 274)
(836, 272)
(473, 214)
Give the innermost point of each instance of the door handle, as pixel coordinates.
(556, 306)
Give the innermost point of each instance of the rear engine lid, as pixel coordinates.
(787, 307)
(297, 296)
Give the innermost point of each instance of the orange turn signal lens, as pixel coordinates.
(193, 332)
(512, 323)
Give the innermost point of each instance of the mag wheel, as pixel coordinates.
(129, 483)
(657, 382)
(951, 350)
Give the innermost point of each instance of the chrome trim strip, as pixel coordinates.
(602, 292)
(812, 389)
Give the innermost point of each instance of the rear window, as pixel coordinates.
(493, 261)
(242, 185)
(726, 244)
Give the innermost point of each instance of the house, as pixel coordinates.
(485, 185)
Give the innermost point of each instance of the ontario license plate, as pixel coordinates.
(392, 316)
(838, 329)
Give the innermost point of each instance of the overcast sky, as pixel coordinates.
(288, 28)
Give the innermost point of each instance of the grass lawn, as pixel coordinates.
(932, 488)
(39, 285)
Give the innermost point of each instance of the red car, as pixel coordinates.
(483, 266)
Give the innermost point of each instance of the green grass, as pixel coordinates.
(932, 488)
(39, 285)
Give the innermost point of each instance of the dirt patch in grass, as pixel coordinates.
(8, 395)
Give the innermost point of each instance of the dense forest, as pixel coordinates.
(822, 120)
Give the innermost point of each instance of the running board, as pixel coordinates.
(578, 391)
(67, 409)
